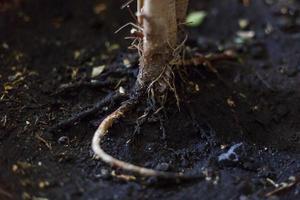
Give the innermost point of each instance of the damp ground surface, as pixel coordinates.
(240, 127)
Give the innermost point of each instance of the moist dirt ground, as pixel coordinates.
(240, 127)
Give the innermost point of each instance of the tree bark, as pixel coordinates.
(181, 10)
(160, 36)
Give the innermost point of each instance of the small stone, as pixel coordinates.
(15, 168)
(246, 35)
(97, 71)
(5, 45)
(63, 140)
(122, 90)
(243, 23)
(231, 102)
(126, 63)
(43, 184)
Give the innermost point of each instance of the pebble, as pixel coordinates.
(243, 23)
(63, 140)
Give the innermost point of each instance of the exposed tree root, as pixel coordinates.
(84, 114)
(126, 107)
(160, 52)
(141, 171)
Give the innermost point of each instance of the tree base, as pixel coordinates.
(138, 94)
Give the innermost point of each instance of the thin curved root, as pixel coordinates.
(141, 171)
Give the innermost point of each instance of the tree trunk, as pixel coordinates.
(159, 24)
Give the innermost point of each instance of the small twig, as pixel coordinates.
(123, 177)
(4, 120)
(127, 24)
(126, 4)
(283, 187)
(131, 13)
(48, 145)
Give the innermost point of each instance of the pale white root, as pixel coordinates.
(137, 170)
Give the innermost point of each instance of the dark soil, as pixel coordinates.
(251, 110)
